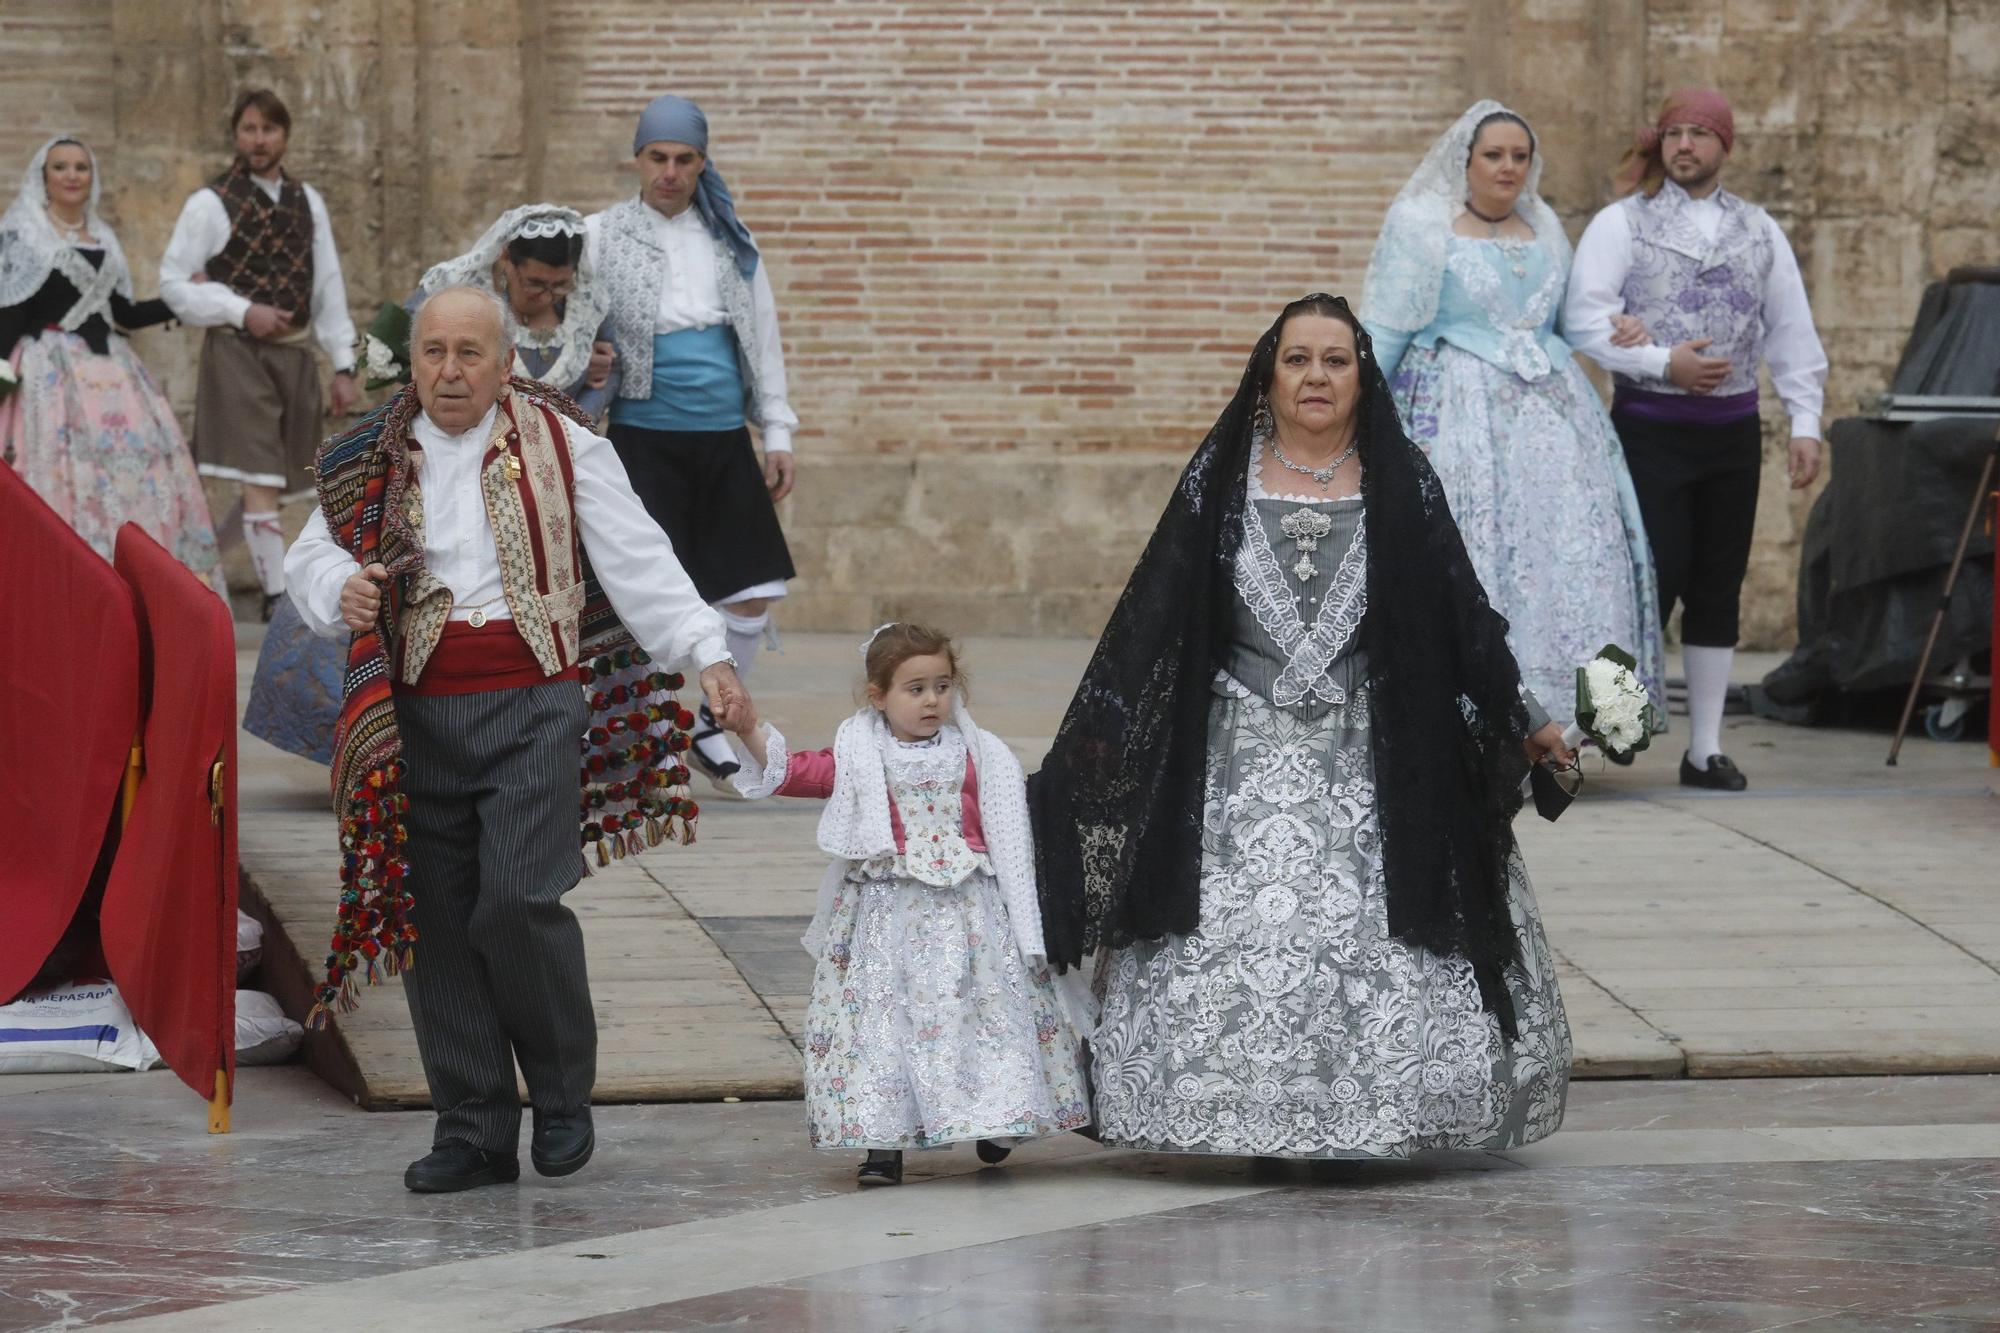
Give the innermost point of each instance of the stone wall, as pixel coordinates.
(1021, 249)
(1866, 127)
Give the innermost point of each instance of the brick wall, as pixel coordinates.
(1008, 236)
(1021, 249)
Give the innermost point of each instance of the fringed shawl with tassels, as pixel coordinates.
(632, 781)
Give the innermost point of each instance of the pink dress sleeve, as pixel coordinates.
(808, 773)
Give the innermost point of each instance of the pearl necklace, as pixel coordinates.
(69, 231)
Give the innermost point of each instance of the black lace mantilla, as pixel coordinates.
(1117, 805)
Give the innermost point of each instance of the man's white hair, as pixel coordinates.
(486, 295)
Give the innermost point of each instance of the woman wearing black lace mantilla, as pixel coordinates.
(1276, 825)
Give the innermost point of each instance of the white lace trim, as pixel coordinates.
(757, 779)
(1260, 582)
(1520, 347)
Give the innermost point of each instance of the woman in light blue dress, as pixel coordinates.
(1461, 299)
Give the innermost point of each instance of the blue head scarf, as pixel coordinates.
(677, 120)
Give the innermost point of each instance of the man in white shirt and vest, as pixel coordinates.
(478, 512)
(696, 329)
(1716, 285)
(252, 260)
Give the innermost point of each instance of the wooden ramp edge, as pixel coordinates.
(676, 1020)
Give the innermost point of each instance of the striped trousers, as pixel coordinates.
(499, 973)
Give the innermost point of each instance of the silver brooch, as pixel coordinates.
(1305, 527)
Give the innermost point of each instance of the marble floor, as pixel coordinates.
(1865, 1203)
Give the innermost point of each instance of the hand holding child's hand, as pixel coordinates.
(727, 699)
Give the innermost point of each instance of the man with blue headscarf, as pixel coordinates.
(696, 329)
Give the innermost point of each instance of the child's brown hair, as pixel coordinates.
(897, 643)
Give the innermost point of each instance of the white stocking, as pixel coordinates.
(1707, 671)
(265, 537)
(745, 635)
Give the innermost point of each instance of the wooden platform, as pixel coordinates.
(676, 1019)
(1835, 919)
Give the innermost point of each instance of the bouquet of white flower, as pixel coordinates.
(1612, 705)
(384, 352)
(9, 381)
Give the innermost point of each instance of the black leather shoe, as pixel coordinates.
(881, 1168)
(1720, 775)
(717, 772)
(562, 1143)
(990, 1152)
(456, 1165)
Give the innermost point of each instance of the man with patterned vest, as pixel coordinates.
(252, 260)
(696, 329)
(462, 532)
(1718, 289)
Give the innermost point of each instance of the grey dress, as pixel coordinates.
(1292, 1023)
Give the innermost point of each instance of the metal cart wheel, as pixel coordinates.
(1943, 722)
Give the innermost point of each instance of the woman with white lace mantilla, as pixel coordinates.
(87, 426)
(557, 311)
(1275, 826)
(1462, 296)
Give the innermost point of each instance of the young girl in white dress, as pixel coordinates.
(933, 1017)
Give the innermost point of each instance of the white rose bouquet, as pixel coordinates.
(384, 353)
(1612, 705)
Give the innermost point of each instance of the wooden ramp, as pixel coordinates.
(676, 1019)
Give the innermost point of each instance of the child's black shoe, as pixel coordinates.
(881, 1168)
(990, 1152)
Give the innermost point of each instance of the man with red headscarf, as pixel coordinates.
(1718, 288)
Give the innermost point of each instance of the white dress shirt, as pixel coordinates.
(631, 556)
(201, 234)
(1596, 293)
(691, 298)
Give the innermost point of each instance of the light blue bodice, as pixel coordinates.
(1489, 311)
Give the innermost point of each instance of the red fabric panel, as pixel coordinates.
(69, 706)
(169, 915)
(472, 659)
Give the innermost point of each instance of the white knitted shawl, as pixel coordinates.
(855, 824)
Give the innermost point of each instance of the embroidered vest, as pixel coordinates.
(633, 268)
(269, 257)
(528, 481)
(1682, 286)
(925, 786)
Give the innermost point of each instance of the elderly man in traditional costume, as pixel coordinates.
(252, 260)
(1716, 285)
(696, 332)
(462, 533)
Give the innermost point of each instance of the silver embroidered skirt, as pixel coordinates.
(1291, 1023)
(926, 1026)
